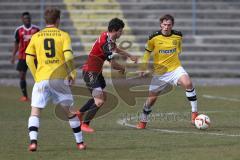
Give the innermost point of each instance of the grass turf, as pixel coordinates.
(113, 141)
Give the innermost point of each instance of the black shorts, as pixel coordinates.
(22, 65)
(94, 80)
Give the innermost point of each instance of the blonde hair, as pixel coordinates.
(51, 15)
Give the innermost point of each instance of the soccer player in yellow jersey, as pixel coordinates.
(51, 48)
(166, 46)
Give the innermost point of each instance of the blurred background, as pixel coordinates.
(211, 50)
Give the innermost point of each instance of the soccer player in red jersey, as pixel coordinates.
(23, 35)
(102, 50)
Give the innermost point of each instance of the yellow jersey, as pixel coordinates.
(48, 46)
(166, 50)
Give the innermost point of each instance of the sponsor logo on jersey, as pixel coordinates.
(170, 51)
(51, 61)
(27, 37)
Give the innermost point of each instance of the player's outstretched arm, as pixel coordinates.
(124, 53)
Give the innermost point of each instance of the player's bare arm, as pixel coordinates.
(124, 53)
(70, 64)
(144, 64)
(15, 49)
(30, 60)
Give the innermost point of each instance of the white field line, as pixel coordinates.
(124, 122)
(221, 98)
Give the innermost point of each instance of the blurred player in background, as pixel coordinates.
(166, 46)
(23, 36)
(102, 50)
(52, 49)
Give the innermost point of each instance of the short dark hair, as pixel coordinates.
(115, 24)
(167, 17)
(26, 14)
(51, 15)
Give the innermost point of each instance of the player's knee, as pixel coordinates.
(22, 78)
(22, 75)
(99, 102)
(152, 100)
(188, 84)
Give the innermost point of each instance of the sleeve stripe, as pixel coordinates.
(68, 51)
(30, 54)
(147, 50)
(16, 36)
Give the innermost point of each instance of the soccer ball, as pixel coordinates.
(202, 122)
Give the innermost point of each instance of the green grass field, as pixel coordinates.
(167, 138)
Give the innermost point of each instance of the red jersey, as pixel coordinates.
(101, 51)
(22, 37)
